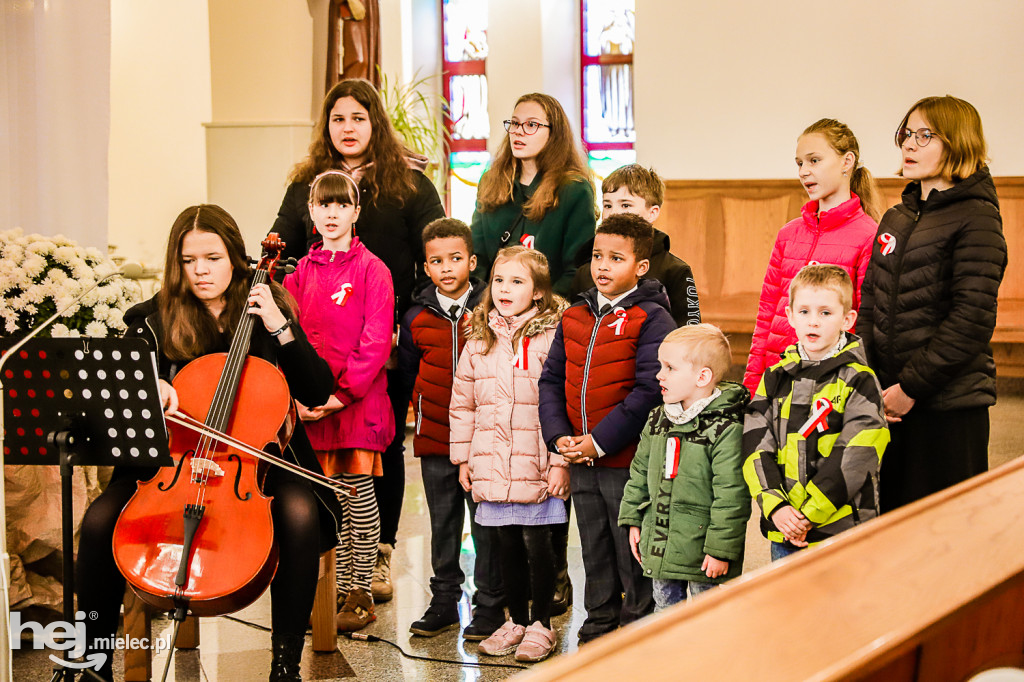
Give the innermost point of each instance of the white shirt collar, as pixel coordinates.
(447, 303)
(603, 300)
(677, 415)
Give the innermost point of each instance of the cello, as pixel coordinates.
(198, 537)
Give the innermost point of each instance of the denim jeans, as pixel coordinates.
(781, 551)
(669, 592)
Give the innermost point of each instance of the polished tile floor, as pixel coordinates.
(238, 648)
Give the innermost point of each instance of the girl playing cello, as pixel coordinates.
(205, 293)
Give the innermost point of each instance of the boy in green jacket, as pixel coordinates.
(686, 504)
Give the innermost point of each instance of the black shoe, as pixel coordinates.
(562, 600)
(435, 621)
(287, 654)
(484, 624)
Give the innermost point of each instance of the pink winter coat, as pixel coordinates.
(495, 425)
(347, 309)
(842, 236)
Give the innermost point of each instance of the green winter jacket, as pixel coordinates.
(830, 474)
(704, 509)
(559, 235)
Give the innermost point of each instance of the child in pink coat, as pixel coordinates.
(346, 307)
(496, 440)
(837, 227)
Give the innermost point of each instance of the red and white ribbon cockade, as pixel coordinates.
(888, 243)
(521, 359)
(672, 447)
(822, 406)
(341, 297)
(620, 319)
(527, 240)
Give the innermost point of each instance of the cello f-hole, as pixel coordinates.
(177, 472)
(238, 477)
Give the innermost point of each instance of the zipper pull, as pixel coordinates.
(333, 254)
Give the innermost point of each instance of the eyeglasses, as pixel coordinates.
(922, 136)
(528, 128)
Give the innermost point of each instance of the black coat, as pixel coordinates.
(391, 231)
(310, 381)
(928, 306)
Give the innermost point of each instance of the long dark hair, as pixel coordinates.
(559, 162)
(189, 329)
(388, 177)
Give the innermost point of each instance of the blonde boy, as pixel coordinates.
(814, 433)
(685, 504)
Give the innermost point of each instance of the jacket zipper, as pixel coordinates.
(455, 344)
(586, 373)
(419, 413)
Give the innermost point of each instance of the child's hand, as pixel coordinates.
(714, 568)
(307, 414)
(262, 304)
(897, 403)
(558, 481)
(467, 485)
(634, 543)
(579, 449)
(792, 524)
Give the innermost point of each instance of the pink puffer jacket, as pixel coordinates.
(495, 425)
(842, 236)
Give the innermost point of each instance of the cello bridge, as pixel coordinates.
(203, 468)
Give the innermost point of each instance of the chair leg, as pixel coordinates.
(325, 606)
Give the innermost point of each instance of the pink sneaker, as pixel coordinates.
(537, 644)
(504, 640)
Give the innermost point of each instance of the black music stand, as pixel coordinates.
(82, 402)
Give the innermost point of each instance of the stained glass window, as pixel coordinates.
(464, 62)
(608, 33)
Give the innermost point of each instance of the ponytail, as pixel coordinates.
(863, 185)
(842, 140)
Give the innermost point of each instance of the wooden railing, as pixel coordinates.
(725, 230)
(930, 592)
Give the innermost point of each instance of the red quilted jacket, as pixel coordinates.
(842, 236)
(429, 345)
(600, 374)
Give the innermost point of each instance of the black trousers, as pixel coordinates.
(101, 586)
(390, 486)
(931, 450)
(446, 503)
(616, 590)
(528, 571)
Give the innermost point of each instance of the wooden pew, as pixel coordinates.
(725, 230)
(930, 592)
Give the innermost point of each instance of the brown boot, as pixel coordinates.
(382, 588)
(357, 611)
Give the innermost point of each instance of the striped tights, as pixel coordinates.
(358, 535)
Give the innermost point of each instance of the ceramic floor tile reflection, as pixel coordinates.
(232, 651)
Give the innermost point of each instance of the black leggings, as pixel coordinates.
(101, 586)
(390, 486)
(528, 571)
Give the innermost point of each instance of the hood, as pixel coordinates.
(535, 323)
(832, 218)
(852, 352)
(140, 311)
(977, 186)
(732, 403)
(647, 290)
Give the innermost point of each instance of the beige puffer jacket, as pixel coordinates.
(495, 424)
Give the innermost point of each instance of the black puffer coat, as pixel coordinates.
(928, 302)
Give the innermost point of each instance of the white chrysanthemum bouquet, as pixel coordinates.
(41, 275)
